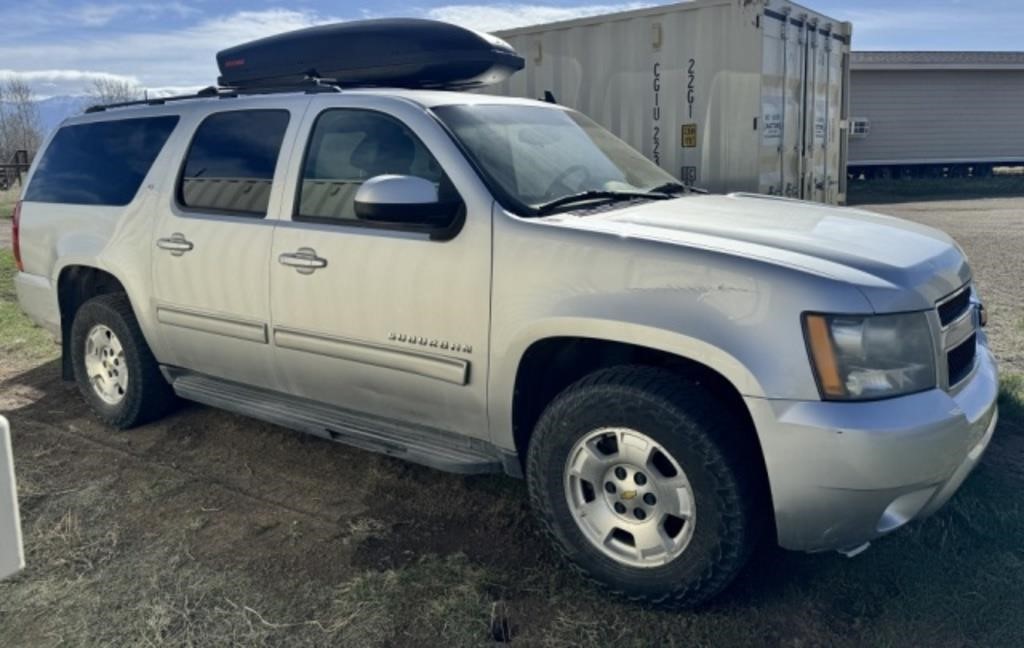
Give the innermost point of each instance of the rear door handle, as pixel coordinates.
(304, 260)
(176, 244)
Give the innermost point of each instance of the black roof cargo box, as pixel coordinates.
(397, 52)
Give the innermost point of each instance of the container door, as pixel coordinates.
(782, 105)
(823, 114)
(816, 106)
(835, 168)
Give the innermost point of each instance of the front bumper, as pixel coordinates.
(842, 474)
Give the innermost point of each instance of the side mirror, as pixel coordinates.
(401, 199)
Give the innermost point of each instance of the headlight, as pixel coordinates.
(863, 357)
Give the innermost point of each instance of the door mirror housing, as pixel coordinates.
(401, 199)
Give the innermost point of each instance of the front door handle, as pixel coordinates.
(176, 244)
(305, 260)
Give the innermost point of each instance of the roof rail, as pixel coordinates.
(312, 85)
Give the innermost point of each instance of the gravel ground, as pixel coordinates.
(991, 231)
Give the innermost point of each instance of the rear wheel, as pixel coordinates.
(114, 368)
(641, 483)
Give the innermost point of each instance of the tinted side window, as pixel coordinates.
(230, 164)
(348, 147)
(101, 163)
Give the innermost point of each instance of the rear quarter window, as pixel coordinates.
(101, 163)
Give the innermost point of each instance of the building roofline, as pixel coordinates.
(934, 60)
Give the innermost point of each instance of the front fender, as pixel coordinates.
(506, 367)
(738, 315)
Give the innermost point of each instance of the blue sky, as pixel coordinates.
(60, 45)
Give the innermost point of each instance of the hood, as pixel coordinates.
(897, 264)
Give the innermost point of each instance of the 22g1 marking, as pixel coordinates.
(656, 114)
(691, 81)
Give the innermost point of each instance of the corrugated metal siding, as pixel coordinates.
(938, 115)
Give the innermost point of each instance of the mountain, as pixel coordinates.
(54, 110)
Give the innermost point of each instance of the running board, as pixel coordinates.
(420, 444)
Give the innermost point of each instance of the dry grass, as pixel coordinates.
(20, 340)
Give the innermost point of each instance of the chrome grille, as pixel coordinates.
(958, 322)
(953, 307)
(960, 359)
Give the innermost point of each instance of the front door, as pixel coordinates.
(389, 319)
(212, 247)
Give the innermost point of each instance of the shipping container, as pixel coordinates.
(730, 95)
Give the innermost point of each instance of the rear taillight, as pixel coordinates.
(15, 241)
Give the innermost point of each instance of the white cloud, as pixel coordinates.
(44, 76)
(49, 83)
(183, 58)
(98, 15)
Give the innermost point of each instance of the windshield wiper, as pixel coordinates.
(596, 194)
(669, 188)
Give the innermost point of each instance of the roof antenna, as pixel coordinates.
(549, 97)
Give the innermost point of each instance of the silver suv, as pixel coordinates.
(484, 284)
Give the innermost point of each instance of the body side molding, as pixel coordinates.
(451, 370)
(214, 323)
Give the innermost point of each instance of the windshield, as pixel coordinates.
(537, 155)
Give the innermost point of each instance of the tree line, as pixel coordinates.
(19, 120)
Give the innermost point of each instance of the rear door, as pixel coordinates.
(212, 241)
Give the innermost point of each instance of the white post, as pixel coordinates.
(12, 554)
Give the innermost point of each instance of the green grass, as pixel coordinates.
(20, 339)
(1011, 401)
(7, 200)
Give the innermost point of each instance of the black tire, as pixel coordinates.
(148, 395)
(683, 417)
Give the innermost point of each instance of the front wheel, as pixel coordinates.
(639, 482)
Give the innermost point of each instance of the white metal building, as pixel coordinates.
(935, 113)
